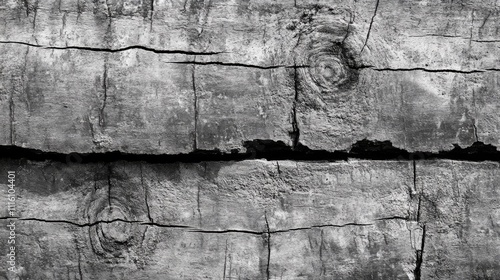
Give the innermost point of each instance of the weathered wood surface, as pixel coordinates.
(174, 76)
(460, 208)
(346, 220)
(204, 221)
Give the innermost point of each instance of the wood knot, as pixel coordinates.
(118, 231)
(117, 216)
(113, 231)
(329, 68)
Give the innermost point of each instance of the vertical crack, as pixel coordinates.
(475, 131)
(105, 95)
(413, 189)
(469, 56)
(370, 27)
(195, 144)
(418, 207)
(199, 204)
(485, 20)
(419, 252)
(225, 262)
(95, 183)
(145, 194)
(108, 9)
(203, 16)
(79, 11)
(63, 24)
(27, 7)
(295, 133)
(420, 257)
(109, 186)
(80, 272)
(419, 193)
(25, 85)
(471, 27)
(151, 16)
(351, 21)
(11, 119)
(144, 236)
(268, 246)
(35, 12)
(415, 215)
(80, 267)
(92, 132)
(321, 245)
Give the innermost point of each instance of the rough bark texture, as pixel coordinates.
(166, 83)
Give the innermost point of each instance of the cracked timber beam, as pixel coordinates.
(164, 107)
(186, 221)
(357, 220)
(365, 70)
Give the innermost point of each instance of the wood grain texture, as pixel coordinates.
(185, 221)
(169, 77)
(256, 220)
(187, 75)
(460, 209)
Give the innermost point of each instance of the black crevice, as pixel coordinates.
(78, 224)
(228, 231)
(268, 274)
(439, 70)
(320, 226)
(238, 64)
(420, 257)
(370, 27)
(295, 133)
(394, 218)
(109, 50)
(103, 222)
(431, 70)
(264, 149)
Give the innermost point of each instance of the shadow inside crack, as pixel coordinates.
(264, 149)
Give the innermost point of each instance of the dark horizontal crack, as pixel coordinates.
(457, 37)
(96, 222)
(238, 64)
(108, 50)
(78, 224)
(229, 231)
(264, 149)
(319, 226)
(7, 218)
(163, 225)
(431, 70)
(193, 229)
(438, 35)
(101, 222)
(394, 218)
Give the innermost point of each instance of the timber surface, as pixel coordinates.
(173, 78)
(169, 77)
